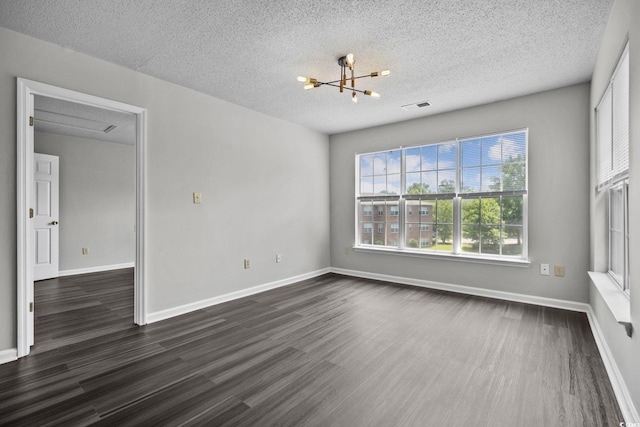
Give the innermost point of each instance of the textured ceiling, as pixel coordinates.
(453, 53)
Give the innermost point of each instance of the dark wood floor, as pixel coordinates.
(331, 351)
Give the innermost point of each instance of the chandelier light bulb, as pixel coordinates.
(354, 97)
(350, 60)
(385, 72)
(302, 79)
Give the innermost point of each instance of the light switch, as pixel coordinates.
(197, 198)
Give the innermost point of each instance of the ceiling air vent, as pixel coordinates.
(417, 105)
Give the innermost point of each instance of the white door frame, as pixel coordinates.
(24, 180)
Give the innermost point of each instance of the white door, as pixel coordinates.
(46, 216)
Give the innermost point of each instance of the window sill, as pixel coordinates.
(614, 297)
(509, 262)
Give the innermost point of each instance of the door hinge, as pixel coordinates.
(30, 307)
(30, 212)
(31, 120)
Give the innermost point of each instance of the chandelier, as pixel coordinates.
(345, 62)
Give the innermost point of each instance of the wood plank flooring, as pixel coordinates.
(330, 351)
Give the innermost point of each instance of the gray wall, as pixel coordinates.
(558, 123)
(97, 200)
(623, 25)
(264, 182)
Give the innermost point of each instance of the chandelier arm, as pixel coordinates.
(350, 89)
(338, 81)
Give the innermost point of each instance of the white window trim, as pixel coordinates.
(619, 303)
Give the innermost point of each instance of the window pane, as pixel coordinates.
(447, 154)
(412, 158)
(430, 157)
(379, 233)
(491, 178)
(393, 161)
(366, 186)
(470, 180)
(380, 184)
(471, 211)
(366, 165)
(617, 225)
(512, 210)
(490, 240)
(604, 143)
(430, 181)
(443, 225)
(393, 184)
(442, 238)
(412, 220)
(366, 233)
(490, 211)
(413, 184)
(380, 164)
(514, 147)
(513, 176)
(366, 210)
(471, 238)
(491, 150)
(447, 181)
(481, 219)
(512, 241)
(470, 153)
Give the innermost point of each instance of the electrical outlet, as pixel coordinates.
(247, 263)
(197, 198)
(85, 251)
(558, 270)
(544, 269)
(278, 257)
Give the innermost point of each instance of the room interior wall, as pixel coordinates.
(558, 123)
(264, 182)
(623, 26)
(97, 200)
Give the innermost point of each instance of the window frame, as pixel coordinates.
(612, 168)
(457, 197)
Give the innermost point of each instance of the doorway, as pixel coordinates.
(27, 90)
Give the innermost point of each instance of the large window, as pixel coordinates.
(612, 151)
(463, 197)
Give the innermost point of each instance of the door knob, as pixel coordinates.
(54, 222)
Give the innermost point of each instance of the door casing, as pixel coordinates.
(24, 192)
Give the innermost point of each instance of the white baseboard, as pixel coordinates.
(9, 355)
(187, 308)
(97, 269)
(469, 290)
(629, 411)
